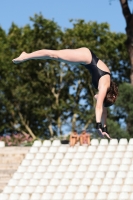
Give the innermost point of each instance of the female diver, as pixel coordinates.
(101, 77)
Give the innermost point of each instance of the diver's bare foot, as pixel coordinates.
(20, 59)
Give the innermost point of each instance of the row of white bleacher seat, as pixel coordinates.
(94, 142)
(70, 196)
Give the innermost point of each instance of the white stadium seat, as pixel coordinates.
(43, 182)
(41, 169)
(29, 189)
(90, 174)
(90, 196)
(83, 188)
(65, 162)
(111, 174)
(22, 169)
(101, 196)
(46, 143)
(37, 143)
(113, 142)
(123, 196)
(129, 148)
(63, 149)
(59, 156)
(91, 149)
(118, 181)
(35, 162)
(105, 161)
(40, 189)
(121, 148)
(30, 156)
(79, 155)
(86, 181)
(26, 162)
(94, 188)
(13, 182)
(79, 175)
(8, 189)
(82, 149)
(94, 142)
(104, 188)
(54, 181)
(69, 155)
(124, 167)
(2, 144)
(75, 181)
(23, 182)
(45, 196)
(89, 155)
(111, 148)
(45, 162)
(99, 155)
(97, 181)
(131, 196)
(68, 196)
(24, 196)
(19, 189)
(100, 174)
(103, 142)
(31, 169)
(61, 188)
(37, 175)
(33, 149)
(68, 175)
(52, 168)
(14, 196)
(57, 196)
(65, 181)
(116, 188)
(128, 181)
(50, 189)
(53, 149)
(49, 156)
(93, 168)
(56, 143)
(123, 141)
(43, 149)
(17, 175)
(79, 196)
(35, 196)
(33, 182)
(112, 196)
(47, 175)
(58, 175)
(72, 149)
(121, 174)
(39, 156)
(62, 168)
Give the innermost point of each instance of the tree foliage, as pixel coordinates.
(43, 97)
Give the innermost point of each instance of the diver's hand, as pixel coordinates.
(105, 132)
(99, 129)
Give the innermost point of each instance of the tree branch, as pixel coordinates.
(26, 126)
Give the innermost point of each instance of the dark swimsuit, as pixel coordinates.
(95, 72)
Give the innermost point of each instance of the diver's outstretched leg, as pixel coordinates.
(81, 55)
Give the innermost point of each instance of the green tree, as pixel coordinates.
(39, 97)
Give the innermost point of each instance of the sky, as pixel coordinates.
(61, 11)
